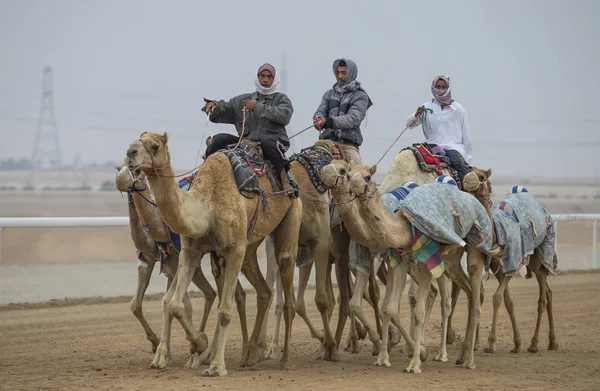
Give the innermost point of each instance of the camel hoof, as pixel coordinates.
(515, 350)
(331, 354)
(161, 359)
(468, 366)
(215, 371)
(532, 349)
(382, 363)
(412, 370)
(271, 352)
(553, 346)
(450, 336)
(353, 346)
(489, 350)
(459, 362)
(440, 357)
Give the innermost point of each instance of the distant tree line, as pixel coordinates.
(24, 164)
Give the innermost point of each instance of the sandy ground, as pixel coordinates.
(100, 346)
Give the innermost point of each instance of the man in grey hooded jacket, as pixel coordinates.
(342, 110)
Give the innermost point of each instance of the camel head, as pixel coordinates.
(148, 154)
(477, 182)
(335, 174)
(361, 180)
(126, 182)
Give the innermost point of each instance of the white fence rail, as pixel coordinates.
(46, 222)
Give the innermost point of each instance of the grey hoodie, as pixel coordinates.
(345, 107)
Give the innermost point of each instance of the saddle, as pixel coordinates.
(313, 159)
(430, 162)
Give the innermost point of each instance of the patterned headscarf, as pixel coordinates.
(518, 189)
(445, 179)
(441, 96)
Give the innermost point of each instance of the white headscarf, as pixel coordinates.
(443, 97)
(274, 87)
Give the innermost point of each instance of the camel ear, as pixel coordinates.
(208, 140)
(165, 137)
(488, 173)
(143, 133)
(373, 169)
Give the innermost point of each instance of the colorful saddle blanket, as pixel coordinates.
(313, 159)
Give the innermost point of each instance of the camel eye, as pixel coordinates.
(367, 178)
(342, 171)
(155, 147)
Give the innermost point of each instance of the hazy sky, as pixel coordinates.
(523, 70)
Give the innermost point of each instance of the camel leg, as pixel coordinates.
(274, 346)
(144, 275)
(324, 298)
(475, 260)
(162, 358)
(552, 344)
(272, 277)
(253, 274)
(303, 277)
(503, 281)
(286, 249)
(445, 304)
(544, 303)
(240, 301)
(209, 294)
(510, 308)
(374, 295)
(424, 281)
(341, 272)
(356, 308)
(234, 258)
(188, 261)
(454, 299)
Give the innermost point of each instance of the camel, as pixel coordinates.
(327, 244)
(148, 232)
(479, 182)
(214, 216)
(404, 167)
(372, 225)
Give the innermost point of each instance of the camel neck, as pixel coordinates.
(185, 212)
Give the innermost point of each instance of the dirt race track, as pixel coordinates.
(102, 346)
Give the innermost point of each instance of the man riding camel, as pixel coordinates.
(268, 111)
(342, 110)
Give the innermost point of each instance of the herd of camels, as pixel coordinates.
(213, 217)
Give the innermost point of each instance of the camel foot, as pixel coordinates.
(450, 336)
(331, 354)
(553, 345)
(469, 365)
(352, 346)
(161, 359)
(250, 356)
(532, 349)
(490, 349)
(271, 352)
(413, 367)
(423, 354)
(383, 360)
(194, 362)
(441, 357)
(515, 350)
(215, 371)
(459, 361)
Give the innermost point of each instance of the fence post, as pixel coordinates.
(595, 245)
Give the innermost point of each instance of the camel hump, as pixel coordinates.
(432, 160)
